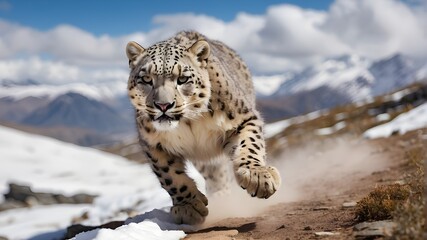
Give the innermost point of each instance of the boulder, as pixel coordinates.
(368, 230)
(23, 196)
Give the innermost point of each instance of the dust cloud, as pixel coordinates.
(316, 170)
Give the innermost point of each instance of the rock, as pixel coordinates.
(73, 230)
(351, 204)
(214, 235)
(22, 196)
(3, 238)
(11, 205)
(81, 218)
(322, 208)
(18, 192)
(291, 213)
(84, 198)
(321, 234)
(308, 228)
(31, 201)
(281, 227)
(44, 198)
(60, 198)
(374, 229)
(22, 193)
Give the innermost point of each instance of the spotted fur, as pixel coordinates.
(194, 100)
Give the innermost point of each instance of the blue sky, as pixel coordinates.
(115, 17)
(76, 40)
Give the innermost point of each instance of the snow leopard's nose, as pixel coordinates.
(164, 106)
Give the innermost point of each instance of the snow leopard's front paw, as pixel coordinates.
(261, 181)
(191, 211)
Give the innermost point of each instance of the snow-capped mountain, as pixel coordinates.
(267, 85)
(338, 81)
(81, 113)
(340, 72)
(76, 110)
(392, 73)
(355, 76)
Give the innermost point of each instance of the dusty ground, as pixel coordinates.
(317, 180)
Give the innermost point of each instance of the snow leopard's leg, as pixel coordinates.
(189, 204)
(249, 159)
(217, 175)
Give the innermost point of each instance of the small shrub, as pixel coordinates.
(381, 202)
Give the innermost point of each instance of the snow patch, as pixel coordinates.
(397, 96)
(274, 128)
(27, 222)
(267, 85)
(331, 130)
(49, 165)
(383, 117)
(341, 116)
(414, 119)
(52, 165)
(132, 231)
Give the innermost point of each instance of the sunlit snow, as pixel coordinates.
(49, 165)
(414, 119)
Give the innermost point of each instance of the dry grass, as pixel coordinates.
(410, 216)
(402, 203)
(382, 202)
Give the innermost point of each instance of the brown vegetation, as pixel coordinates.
(381, 202)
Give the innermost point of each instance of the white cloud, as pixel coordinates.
(55, 72)
(378, 28)
(288, 37)
(35, 68)
(294, 32)
(167, 25)
(63, 43)
(285, 37)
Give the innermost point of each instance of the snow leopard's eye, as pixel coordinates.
(144, 80)
(183, 79)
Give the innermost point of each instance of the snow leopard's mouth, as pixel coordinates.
(166, 122)
(164, 118)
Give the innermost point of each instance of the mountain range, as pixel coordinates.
(99, 113)
(338, 81)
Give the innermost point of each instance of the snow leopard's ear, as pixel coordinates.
(202, 50)
(133, 50)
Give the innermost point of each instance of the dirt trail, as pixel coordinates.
(316, 181)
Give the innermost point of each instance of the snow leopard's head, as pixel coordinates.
(169, 82)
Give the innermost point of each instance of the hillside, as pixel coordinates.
(82, 137)
(49, 165)
(324, 160)
(326, 184)
(352, 119)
